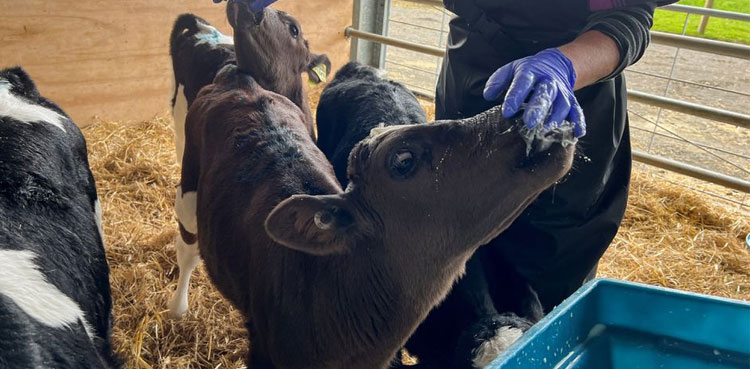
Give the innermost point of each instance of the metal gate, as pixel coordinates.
(407, 38)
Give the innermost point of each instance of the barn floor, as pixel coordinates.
(670, 237)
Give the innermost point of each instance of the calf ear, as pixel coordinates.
(318, 225)
(318, 69)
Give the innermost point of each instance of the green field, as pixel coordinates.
(717, 29)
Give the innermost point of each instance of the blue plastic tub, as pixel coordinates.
(612, 324)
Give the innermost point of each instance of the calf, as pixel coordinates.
(356, 101)
(270, 47)
(332, 279)
(54, 280)
(469, 328)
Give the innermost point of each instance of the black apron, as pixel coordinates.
(556, 243)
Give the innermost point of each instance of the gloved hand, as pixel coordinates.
(254, 5)
(549, 78)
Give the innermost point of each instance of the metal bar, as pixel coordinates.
(417, 26)
(410, 67)
(430, 50)
(705, 192)
(701, 44)
(721, 115)
(428, 2)
(722, 159)
(675, 8)
(686, 42)
(696, 84)
(371, 16)
(708, 12)
(692, 171)
(680, 139)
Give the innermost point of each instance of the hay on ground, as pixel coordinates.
(671, 237)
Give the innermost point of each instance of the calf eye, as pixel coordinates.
(402, 164)
(294, 30)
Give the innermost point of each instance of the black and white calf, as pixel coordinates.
(54, 279)
(198, 52)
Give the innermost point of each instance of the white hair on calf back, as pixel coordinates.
(27, 287)
(493, 347)
(19, 109)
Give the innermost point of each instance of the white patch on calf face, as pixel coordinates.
(26, 286)
(179, 114)
(489, 350)
(19, 109)
(212, 35)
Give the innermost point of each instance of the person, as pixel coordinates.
(549, 62)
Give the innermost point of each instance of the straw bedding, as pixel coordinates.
(671, 237)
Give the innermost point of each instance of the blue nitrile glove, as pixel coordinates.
(254, 5)
(548, 77)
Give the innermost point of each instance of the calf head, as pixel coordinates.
(16, 82)
(270, 47)
(424, 196)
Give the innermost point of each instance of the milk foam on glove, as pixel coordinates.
(541, 85)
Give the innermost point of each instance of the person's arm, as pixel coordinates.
(594, 56)
(629, 28)
(543, 84)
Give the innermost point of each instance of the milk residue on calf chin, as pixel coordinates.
(540, 138)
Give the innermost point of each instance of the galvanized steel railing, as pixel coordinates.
(720, 115)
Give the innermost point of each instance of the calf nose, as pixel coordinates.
(258, 16)
(244, 12)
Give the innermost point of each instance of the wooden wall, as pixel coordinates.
(110, 58)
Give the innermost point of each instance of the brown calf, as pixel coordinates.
(332, 279)
(271, 48)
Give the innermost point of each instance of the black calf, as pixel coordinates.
(356, 101)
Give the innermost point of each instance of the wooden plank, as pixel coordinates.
(110, 58)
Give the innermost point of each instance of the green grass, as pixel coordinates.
(717, 28)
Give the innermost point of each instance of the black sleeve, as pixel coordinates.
(629, 27)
